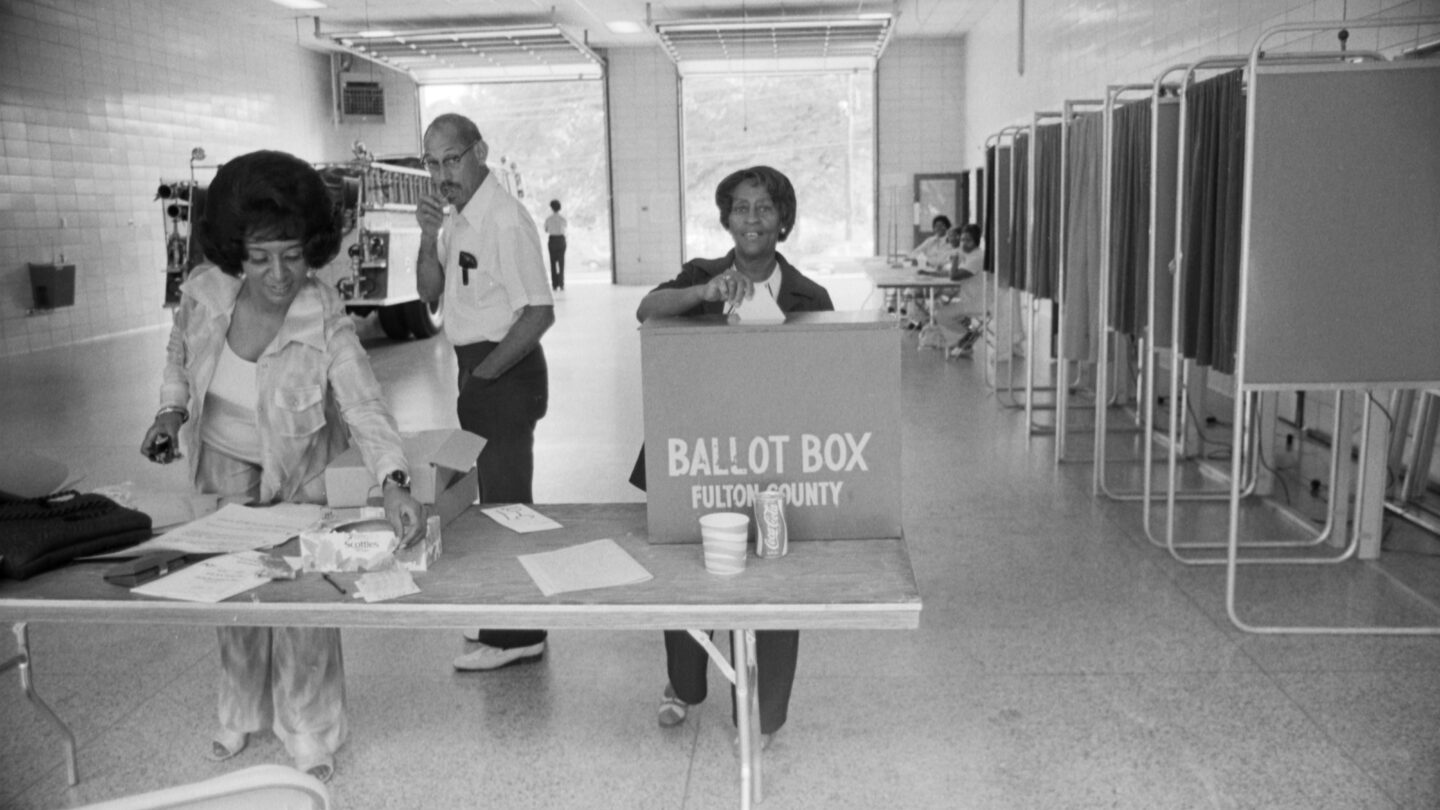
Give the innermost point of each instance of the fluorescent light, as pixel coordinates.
(379, 32)
(302, 5)
(624, 27)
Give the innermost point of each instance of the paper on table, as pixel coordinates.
(212, 580)
(520, 518)
(597, 564)
(236, 528)
(392, 582)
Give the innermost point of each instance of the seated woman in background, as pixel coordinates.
(757, 207)
(936, 247)
(963, 318)
(930, 254)
(264, 365)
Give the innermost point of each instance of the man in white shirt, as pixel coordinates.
(480, 251)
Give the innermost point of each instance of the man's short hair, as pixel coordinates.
(462, 126)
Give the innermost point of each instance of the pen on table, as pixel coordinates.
(332, 582)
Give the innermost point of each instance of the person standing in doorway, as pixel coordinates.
(555, 227)
(480, 251)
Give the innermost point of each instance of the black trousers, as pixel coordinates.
(556, 245)
(776, 653)
(505, 411)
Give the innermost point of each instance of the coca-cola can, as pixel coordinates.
(772, 537)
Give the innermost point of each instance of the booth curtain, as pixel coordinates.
(1084, 158)
(1129, 217)
(1214, 175)
(1045, 230)
(1019, 219)
(988, 210)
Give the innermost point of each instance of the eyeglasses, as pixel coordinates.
(450, 162)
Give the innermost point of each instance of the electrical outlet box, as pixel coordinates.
(52, 285)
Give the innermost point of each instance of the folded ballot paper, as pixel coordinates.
(597, 564)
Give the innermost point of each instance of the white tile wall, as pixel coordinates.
(1075, 48)
(98, 102)
(645, 165)
(921, 103)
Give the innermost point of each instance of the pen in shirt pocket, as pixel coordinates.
(467, 263)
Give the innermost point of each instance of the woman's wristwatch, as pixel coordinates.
(400, 479)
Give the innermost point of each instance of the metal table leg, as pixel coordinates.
(21, 661)
(747, 706)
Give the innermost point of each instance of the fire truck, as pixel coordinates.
(375, 268)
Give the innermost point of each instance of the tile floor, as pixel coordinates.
(1062, 661)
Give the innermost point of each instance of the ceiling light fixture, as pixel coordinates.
(525, 52)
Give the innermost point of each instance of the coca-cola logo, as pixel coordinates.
(772, 518)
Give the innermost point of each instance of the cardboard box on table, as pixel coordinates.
(442, 473)
(811, 405)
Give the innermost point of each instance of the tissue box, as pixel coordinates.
(442, 473)
(357, 540)
(426, 550)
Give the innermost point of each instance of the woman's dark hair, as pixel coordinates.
(555, 206)
(268, 195)
(777, 185)
(944, 219)
(972, 229)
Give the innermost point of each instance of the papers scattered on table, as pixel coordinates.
(236, 528)
(597, 564)
(389, 583)
(212, 580)
(520, 518)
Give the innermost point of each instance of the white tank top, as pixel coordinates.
(230, 424)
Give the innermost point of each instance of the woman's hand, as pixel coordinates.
(162, 441)
(731, 287)
(405, 514)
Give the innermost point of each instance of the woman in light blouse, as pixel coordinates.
(265, 382)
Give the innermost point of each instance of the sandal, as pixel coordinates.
(226, 745)
(321, 770)
(672, 709)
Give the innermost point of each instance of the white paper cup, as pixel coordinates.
(725, 537)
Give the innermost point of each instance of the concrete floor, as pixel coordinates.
(1063, 661)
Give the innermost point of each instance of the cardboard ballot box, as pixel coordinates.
(442, 473)
(811, 405)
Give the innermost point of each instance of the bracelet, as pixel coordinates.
(184, 414)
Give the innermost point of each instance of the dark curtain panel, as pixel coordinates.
(1214, 174)
(1045, 268)
(1129, 217)
(989, 208)
(1084, 158)
(1019, 219)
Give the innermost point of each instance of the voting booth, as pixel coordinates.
(811, 405)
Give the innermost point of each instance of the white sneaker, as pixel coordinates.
(485, 658)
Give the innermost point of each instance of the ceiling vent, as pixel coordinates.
(362, 101)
